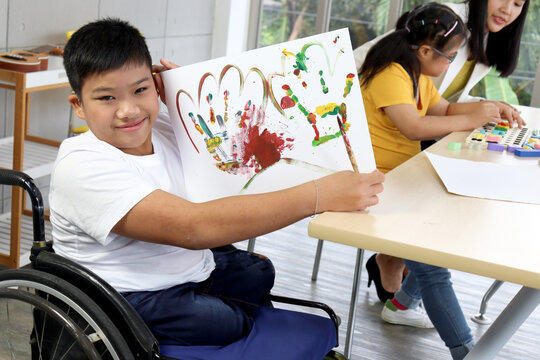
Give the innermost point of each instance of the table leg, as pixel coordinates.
(317, 261)
(354, 302)
(502, 329)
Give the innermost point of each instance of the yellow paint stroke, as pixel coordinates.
(288, 53)
(325, 109)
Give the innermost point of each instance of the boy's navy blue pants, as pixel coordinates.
(216, 311)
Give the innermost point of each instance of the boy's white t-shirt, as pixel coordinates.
(93, 185)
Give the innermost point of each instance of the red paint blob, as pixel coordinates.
(265, 147)
(287, 102)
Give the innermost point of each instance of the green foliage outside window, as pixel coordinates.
(285, 20)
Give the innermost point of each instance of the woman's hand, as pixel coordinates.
(156, 70)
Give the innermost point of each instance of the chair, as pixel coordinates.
(481, 318)
(69, 312)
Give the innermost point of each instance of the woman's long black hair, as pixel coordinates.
(429, 24)
(502, 49)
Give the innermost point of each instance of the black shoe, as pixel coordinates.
(375, 276)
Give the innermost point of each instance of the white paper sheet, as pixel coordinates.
(262, 120)
(519, 182)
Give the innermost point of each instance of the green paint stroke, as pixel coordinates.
(325, 138)
(301, 57)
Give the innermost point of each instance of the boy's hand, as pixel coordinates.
(156, 70)
(349, 191)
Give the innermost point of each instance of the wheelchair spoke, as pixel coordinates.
(58, 321)
(39, 339)
(7, 336)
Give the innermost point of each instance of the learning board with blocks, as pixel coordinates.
(498, 133)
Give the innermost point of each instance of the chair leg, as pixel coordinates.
(480, 318)
(251, 245)
(317, 261)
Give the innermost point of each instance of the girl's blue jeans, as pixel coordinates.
(217, 311)
(432, 285)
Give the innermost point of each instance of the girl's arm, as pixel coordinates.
(441, 119)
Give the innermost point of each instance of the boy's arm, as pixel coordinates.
(167, 219)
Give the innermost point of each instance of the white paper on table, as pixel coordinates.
(247, 90)
(519, 182)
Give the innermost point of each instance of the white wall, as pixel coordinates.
(231, 26)
(178, 30)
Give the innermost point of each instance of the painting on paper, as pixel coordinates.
(267, 119)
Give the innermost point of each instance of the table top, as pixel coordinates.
(418, 219)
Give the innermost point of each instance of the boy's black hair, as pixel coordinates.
(103, 45)
(430, 24)
(502, 50)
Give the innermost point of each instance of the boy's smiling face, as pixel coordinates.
(120, 107)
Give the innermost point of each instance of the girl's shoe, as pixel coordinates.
(416, 317)
(375, 276)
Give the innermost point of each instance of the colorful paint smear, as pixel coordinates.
(245, 115)
(289, 100)
(197, 126)
(254, 147)
(251, 147)
(300, 65)
(301, 57)
(348, 84)
(212, 113)
(226, 101)
(323, 83)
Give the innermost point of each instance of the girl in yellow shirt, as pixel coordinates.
(403, 107)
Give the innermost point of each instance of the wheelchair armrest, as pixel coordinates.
(18, 178)
(312, 304)
(143, 343)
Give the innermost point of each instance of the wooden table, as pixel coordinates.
(418, 219)
(24, 84)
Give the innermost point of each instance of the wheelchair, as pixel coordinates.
(54, 308)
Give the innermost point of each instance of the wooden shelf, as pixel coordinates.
(35, 81)
(38, 158)
(25, 152)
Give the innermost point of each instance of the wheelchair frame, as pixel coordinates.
(99, 321)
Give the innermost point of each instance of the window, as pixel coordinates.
(287, 20)
(366, 19)
(283, 20)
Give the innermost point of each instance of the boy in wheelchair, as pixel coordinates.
(117, 201)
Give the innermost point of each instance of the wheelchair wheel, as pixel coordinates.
(16, 332)
(30, 329)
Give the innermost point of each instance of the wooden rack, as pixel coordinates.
(24, 84)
